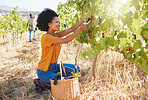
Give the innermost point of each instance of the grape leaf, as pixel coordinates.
(136, 4)
(112, 33)
(144, 64)
(128, 21)
(102, 43)
(129, 56)
(129, 14)
(136, 15)
(123, 41)
(109, 42)
(137, 45)
(145, 34)
(121, 35)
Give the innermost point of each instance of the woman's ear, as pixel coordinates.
(49, 24)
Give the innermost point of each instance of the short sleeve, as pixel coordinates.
(47, 40)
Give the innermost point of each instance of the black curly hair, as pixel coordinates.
(44, 18)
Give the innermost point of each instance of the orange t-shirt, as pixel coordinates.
(50, 52)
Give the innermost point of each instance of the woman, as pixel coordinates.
(51, 44)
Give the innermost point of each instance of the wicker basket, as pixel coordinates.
(65, 89)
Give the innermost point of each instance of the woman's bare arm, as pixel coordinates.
(69, 38)
(73, 28)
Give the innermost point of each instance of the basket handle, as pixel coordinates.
(67, 67)
(61, 64)
(61, 69)
(71, 68)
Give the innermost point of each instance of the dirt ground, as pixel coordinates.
(18, 63)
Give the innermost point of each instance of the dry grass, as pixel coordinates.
(115, 80)
(116, 77)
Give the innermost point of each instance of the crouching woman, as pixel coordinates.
(51, 41)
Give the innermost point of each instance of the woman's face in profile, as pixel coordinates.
(55, 24)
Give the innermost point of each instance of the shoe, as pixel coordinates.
(41, 86)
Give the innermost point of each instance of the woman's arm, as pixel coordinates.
(74, 27)
(70, 37)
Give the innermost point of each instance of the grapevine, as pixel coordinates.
(12, 24)
(111, 18)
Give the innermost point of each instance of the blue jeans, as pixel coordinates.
(31, 33)
(54, 68)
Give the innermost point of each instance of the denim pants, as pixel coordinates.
(54, 68)
(31, 33)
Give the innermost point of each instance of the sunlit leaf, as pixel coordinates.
(122, 35)
(123, 41)
(137, 45)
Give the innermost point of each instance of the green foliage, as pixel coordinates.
(12, 23)
(144, 32)
(111, 18)
(89, 52)
(75, 75)
(58, 73)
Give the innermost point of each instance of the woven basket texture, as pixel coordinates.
(65, 89)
